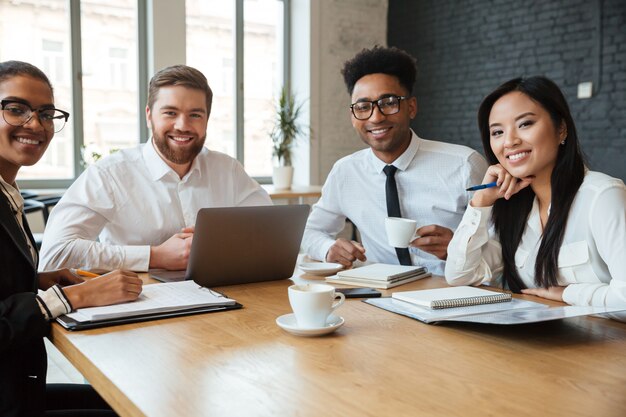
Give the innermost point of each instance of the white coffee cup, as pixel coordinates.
(400, 232)
(313, 303)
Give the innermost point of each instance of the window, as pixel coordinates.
(118, 67)
(53, 60)
(103, 79)
(211, 49)
(263, 78)
(108, 34)
(110, 86)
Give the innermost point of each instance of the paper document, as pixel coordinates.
(428, 315)
(156, 298)
(514, 312)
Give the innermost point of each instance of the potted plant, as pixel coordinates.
(284, 134)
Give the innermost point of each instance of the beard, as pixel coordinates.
(176, 155)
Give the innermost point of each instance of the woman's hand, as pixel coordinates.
(507, 186)
(62, 277)
(551, 293)
(112, 288)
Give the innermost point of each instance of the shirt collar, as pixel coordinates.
(402, 162)
(158, 168)
(13, 194)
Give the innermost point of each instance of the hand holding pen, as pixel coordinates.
(482, 186)
(497, 183)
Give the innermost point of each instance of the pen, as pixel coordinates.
(85, 273)
(481, 186)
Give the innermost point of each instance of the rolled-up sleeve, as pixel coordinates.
(325, 221)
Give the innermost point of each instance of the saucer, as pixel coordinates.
(288, 323)
(320, 268)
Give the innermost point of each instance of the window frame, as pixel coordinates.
(77, 120)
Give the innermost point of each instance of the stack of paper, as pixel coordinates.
(379, 275)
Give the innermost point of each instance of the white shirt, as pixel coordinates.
(431, 180)
(592, 258)
(132, 200)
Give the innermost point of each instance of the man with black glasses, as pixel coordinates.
(399, 175)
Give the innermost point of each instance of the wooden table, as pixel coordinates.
(240, 363)
(299, 192)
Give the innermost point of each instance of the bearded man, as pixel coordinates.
(136, 208)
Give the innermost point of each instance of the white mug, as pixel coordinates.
(400, 232)
(313, 303)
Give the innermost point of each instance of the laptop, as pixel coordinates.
(240, 245)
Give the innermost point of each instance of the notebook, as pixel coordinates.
(155, 302)
(452, 297)
(239, 245)
(379, 275)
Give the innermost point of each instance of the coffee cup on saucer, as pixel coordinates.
(400, 232)
(312, 304)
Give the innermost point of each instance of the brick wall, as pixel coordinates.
(465, 49)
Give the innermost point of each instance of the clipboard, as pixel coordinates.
(71, 324)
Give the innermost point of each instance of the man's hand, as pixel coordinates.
(173, 254)
(551, 293)
(62, 277)
(112, 288)
(345, 252)
(433, 239)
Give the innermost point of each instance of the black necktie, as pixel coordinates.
(393, 208)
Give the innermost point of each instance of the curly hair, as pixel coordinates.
(381, 60)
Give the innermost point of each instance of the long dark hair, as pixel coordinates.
(510, 216)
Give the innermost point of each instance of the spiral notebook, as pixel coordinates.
(452, 297)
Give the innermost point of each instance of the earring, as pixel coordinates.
(563, 142)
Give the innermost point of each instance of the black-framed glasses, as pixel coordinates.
(363, 110)
(17, 113)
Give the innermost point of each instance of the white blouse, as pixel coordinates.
(592, 259)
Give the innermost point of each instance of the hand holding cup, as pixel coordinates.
(400, 232)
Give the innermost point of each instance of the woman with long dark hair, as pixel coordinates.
(28, 122)
(550, 227)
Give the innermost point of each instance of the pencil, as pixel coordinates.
(85, 273)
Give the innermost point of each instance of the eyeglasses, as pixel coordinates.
(363, 110)
(17, 113)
